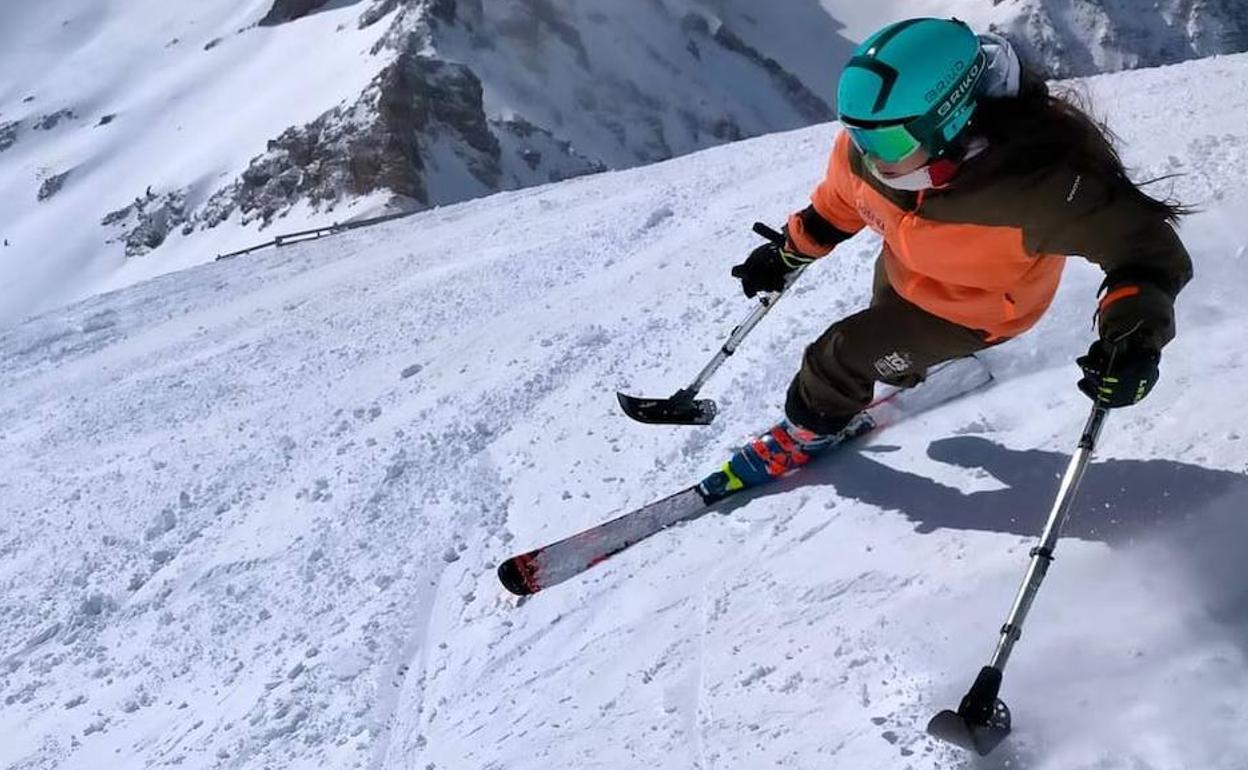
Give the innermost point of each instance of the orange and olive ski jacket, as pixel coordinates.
(987, 251)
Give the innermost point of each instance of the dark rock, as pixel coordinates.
(8, 134)
(49, 122)
(727, 130)
(442, 10)
(147, 222)
(380, 9)
(374, 144)
(283, 11)
(52, 185)
(106, 119)
(1129, 36)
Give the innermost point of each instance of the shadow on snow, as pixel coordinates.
(1199, 514)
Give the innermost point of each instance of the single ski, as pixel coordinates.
(543, 567)
(556, 562)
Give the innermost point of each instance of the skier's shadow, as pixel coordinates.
(1201, 514)
(1117, 501)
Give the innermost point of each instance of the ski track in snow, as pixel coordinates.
(252, 510)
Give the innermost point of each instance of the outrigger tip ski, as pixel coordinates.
(680, 409)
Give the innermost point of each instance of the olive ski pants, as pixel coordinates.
(893, 341)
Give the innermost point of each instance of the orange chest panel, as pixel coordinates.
(980, 276)
(968, 255)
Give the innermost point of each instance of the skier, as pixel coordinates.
(980, 181)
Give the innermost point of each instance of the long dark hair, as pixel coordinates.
(1042, 128)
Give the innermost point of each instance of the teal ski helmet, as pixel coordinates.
(911, 85)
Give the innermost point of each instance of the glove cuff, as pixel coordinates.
(1138, 312)
(790, 256)
(792, 259)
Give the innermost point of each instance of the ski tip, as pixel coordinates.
(628, 404)
(953, 728)
(516, 575)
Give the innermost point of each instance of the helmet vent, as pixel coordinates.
(884, 72)
(888, 76)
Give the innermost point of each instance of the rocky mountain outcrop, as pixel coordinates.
(8, 134)
(145, 224)
(1073, 38)
(427, 131)
(418, 115)
(10, 130)
(482, 96)
(283, 11)
(52, 185)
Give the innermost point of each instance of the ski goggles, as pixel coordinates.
(890, 144)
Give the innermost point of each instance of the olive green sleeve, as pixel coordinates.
(1116, 227)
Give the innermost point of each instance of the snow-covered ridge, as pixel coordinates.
(141, 137)
(1075, 38)
(249, 512)
(197, 125)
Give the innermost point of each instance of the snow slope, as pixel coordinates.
(251, 510)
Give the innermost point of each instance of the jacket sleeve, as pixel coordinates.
(1145, 263)
(830, 218)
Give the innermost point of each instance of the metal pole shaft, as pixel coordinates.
(765, 304)
(1042, 555)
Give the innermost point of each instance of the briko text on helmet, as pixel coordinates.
(960, 91)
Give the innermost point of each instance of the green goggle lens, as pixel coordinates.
(889, 144)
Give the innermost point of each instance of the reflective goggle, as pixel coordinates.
(889, 144)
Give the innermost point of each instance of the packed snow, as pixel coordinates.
(251, 510)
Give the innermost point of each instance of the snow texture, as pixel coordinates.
(251, 510)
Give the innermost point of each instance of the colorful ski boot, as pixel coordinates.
(780, 450)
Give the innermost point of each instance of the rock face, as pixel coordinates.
(426, 131)
(420, 120)
(288, 10)
(52, 185)
(479, 96)
(148, 221)
(1072, 38)
(8, 134)
(52, 120)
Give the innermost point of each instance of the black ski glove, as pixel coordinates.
(1118, 375)
(767, 267)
